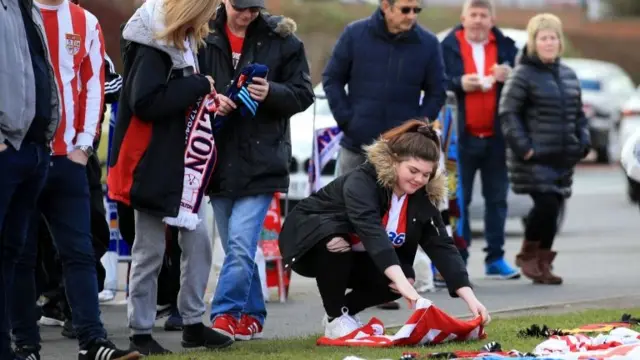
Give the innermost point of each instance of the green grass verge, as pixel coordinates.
(503, 331)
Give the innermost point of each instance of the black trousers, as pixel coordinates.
(169, 278)
(542, 221)
(335, 272)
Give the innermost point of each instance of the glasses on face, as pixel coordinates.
(405, 10)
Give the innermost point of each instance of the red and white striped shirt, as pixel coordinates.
(77, 53)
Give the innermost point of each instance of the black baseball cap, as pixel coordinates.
(246, 4)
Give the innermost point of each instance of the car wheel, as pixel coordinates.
(632, 193)
(602, 156)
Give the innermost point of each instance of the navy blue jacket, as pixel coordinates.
(507, 52)
(385, 75)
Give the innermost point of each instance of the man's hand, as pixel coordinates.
(225, 105)
(471, 82)
(501, 72)
(79, 157)
(259, 89)
(3, 147)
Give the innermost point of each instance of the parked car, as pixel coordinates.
(630, 123)
(605, 88)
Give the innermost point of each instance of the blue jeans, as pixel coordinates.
(23, 174)
(64, 202)
(486, 155)
(239, 223)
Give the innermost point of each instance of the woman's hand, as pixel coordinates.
(401, 284)
(475, 306)
(225, 105)
(529, 154)
(212, 88)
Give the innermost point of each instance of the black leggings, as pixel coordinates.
(542, 221)
(335, 272)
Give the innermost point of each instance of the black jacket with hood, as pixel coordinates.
(147, 156)
(254, 153)
(541, 110)
(356, 203)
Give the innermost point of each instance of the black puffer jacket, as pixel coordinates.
(254, 154)
(355, 203)
(541, 110)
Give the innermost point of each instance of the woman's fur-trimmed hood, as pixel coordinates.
(379, 155)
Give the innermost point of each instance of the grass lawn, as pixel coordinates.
(503, 331)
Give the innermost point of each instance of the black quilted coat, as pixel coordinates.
(541, 110)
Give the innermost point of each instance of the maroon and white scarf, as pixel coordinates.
(199, 161)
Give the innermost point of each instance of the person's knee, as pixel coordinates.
(338, 245)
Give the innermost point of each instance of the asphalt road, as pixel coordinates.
(598, 257)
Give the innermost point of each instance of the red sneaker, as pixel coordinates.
(225, 325)
(248, 328)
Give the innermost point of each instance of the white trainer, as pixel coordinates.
(341, 326)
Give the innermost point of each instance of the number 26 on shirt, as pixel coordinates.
(397, 239)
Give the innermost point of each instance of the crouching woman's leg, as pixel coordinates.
(337, 268)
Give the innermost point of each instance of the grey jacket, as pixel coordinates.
(17, 82)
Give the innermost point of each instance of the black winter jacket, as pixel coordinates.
(146, 169)
(254, 154)
(355, 203)
(541, 110)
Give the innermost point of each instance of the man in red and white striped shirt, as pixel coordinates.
(77, 53)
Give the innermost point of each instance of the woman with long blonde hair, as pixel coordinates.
(547, 135)
(161, 161)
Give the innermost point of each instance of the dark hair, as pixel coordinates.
(414, 139)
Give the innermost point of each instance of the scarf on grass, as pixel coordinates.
(428, 325)
(199, 161)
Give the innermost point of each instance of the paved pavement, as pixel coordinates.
(598, 257)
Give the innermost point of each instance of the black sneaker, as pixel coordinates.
(174, 322)
(147, 345)
(105, 350)
(68, 331)
(27, 353)
(198, 335)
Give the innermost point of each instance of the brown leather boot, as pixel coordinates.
(527, 260)
(546, 258)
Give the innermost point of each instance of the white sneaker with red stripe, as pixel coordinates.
(249, 328)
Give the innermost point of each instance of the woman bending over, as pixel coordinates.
(362, 231)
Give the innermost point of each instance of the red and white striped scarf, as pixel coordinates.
(426, 326)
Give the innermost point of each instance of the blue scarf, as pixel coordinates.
(239, 94)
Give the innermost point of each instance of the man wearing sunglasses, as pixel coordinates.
(254, 152)
(386, 61)
(478, 57)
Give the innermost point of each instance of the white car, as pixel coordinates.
(630, 123)
(605, 87)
